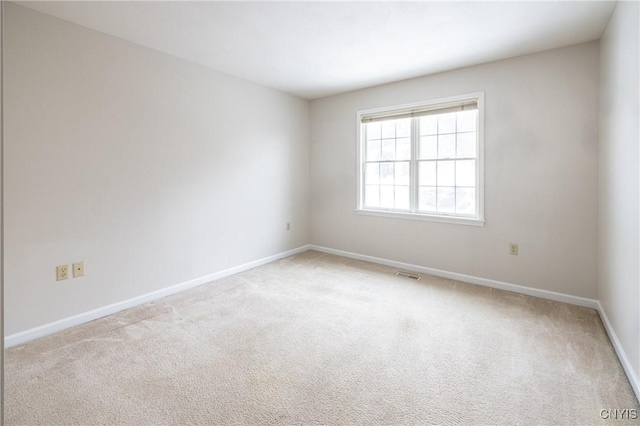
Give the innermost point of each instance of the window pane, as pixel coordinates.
(427, 173)
(373, 150)
(386, 173)
(447, 146)
(388, 129)
(402, 173)
(466, 200)
(372, 196)
(373, 131)
(466, 121)
(466, 146)
(466, 173)
(387, 200)
(427, 199)
(447, 123)
(402, 197)
(446, 200)
(372, 174)
(428, 147)
(429, 125)
(403, 149)
(446, 175)
(388, 149)
(403, 128)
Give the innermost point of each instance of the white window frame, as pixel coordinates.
(478, 220)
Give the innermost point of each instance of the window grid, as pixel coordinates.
(416, 159)
(437, 161)
(400, 179)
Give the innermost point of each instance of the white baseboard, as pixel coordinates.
(622, 355)
(543, 294)
(46, 329)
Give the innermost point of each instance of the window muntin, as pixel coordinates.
(423, 160)
(388, 164)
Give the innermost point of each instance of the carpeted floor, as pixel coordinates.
(320, 339)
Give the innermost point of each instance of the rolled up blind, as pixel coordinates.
(466, 105)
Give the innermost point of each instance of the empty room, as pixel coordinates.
(337, 213)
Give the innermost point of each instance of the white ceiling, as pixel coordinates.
(315, 49)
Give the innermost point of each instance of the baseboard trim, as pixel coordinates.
(622, 355)
(544, 294)
(530, 291)
(63, 324)
(53, 327)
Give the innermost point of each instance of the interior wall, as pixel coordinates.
(1, 221)
(541, 131)
(619, 186)
(152, 170)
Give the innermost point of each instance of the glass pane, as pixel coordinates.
(388, 149)
(466, 146)
(429, 125)
(372, 174)
(402, 197)
(373, 131)
(446, 200)
(386, 173)
(403, 128)
(447, 146)
(428, 147)
(388, 129)
(403, 149)
(372, 196)
(445, 184)
(373, 150)
(387, 200)
(466, 173)
(466, 200)
(447, 123)
(466, 121)
(446, 175)
(402, 173)
(427, 199)
(427, 173)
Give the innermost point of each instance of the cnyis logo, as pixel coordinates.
(619, 414)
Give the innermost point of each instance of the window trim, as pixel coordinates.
(441, 217)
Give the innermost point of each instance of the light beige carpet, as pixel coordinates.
(319, 339)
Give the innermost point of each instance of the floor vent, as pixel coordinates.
(408, 275)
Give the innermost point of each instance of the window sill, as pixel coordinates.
(425, 217)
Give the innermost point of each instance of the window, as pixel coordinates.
(423, 161)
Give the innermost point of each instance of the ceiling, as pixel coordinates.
(315, 49)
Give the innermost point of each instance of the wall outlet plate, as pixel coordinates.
(78, 269)
(62, 272)
(513, 249)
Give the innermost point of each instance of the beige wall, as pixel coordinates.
(541, 122)
(619, 186)
(151, 170)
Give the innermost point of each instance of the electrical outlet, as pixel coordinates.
(288, 226)
(513, 249)
(78, 269)
(62, 272)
